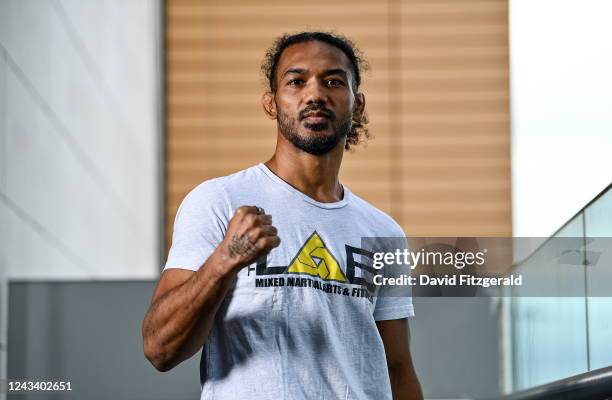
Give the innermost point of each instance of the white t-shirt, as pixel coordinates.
(297, 325)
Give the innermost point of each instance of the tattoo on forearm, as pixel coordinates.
(241, 246)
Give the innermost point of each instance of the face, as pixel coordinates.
(314, 102)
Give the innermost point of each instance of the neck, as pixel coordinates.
(315, 176)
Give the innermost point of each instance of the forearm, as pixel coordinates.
(177, 324)
(404, 382)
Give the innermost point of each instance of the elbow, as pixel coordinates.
(160, 365)
(157, 356)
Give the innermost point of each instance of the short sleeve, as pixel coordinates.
(394, 302)
(199, 226)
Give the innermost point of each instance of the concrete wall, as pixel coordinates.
(79, 138)
(89, 333)
(455, 345)
(79, 141)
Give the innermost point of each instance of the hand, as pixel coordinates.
(250, 235)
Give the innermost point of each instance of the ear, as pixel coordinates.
(359, 112)
(269, 105)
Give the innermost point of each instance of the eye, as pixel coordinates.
(295, 82)
(335, 82)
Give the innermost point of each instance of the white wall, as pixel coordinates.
(561, 90)
(79, 141)
(79, 144)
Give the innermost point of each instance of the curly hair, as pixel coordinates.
(359, 132)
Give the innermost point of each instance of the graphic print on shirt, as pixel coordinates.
(316, 260)
(315, 266)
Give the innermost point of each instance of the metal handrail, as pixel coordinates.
(592, 385)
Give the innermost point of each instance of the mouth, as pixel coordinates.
(316, 117)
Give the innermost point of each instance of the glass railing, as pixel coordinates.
(551, 338)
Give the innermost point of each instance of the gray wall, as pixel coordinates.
(89, 332)
(455, 345)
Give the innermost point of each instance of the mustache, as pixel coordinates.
(315, 108)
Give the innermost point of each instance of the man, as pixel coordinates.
(286, 319)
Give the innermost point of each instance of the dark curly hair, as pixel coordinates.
(359, 132)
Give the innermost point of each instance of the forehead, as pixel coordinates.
(313, 55)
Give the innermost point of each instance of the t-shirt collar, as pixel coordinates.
(278, 181)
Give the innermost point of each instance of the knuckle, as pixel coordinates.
(261, 244)
(242, 210)
(251, 219)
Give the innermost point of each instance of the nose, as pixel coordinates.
(315, 93)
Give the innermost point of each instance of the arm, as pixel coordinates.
(184, 304)
(395, 335)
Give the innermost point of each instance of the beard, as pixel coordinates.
(314, 143)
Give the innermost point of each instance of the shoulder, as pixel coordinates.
(213, 193)
(385, 224)
(222, 184)
(208, 191)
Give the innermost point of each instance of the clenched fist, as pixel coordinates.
(250, 235)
